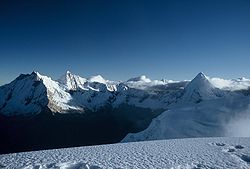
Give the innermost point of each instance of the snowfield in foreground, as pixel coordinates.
(177, 153)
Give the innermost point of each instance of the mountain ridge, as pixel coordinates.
(72, 92)
(76, 111)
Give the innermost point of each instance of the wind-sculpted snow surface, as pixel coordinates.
(199, 153)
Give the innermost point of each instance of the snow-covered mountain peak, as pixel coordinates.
(200, 81)
(97, 78)
(200, 88)
(45, 79)
(72, 91)
(68, 72)
(200, 77)
(32, 77)
(35, 73)
(68, 75)
(141, 78)
(72, 81)
(24, 95)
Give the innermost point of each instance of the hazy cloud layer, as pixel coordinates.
(240, 125)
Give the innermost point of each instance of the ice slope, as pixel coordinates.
(202, 153)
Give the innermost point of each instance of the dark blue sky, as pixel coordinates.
(119, 39)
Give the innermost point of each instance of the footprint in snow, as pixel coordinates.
(245, 158)
(239, 147)
(218, 144)
(234, 148)
(230, 150)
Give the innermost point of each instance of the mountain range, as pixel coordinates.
(37, 112)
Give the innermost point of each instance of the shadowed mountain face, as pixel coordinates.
(54, 130)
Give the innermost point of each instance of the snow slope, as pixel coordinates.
(207, 119)
(203, 110)
(196, 153)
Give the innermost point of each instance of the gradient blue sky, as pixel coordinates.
(173, 39)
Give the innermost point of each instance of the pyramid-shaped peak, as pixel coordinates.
(201, 75)
(200, 80)
(200, 88)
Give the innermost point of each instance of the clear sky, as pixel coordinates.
(173, 39)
